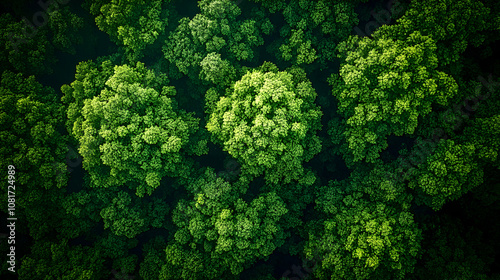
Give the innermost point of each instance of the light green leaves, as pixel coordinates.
(384, 87)
(216, 70)
(266, 122)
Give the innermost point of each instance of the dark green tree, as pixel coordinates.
(312, 29)
(362, 238)
(29, 48)
(24, 47)
(59, 260)
(130, 23)
(215, 29)
(455, 148)
(154, 257)
(221, 234)
(31, 119)
(64, 27)
(454, 25)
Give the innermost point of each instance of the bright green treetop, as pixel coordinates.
(268, 121)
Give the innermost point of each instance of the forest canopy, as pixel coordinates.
(250, 139)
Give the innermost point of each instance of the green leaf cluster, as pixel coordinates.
(362, 238)
(195, 43)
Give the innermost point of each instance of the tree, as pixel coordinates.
(383, 88)
(124, 214)
(58, 260)
(216, 70)
(29, 48)
(268, 122)
(131, 132)
(90, 79)
(312, 29)
(449, 171)
(64, 26)
(215, 31)
(26, 48)
(154, 257)
(454, 150)
(133, 24)
(452, 24)
(122, 218)
(82, 211)
(361, 238)
(112, 246)
(30, 122)
(299, 48)
(218, 232)
(31, 118)
(130, 216)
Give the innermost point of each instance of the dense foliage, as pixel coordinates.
(250, 139)
(268, 122)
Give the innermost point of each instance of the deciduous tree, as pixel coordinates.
(131, 132)
(268, 121)
(219, 233)
(383, 88)
(133, 24)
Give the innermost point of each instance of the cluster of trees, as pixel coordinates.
(253, 140)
